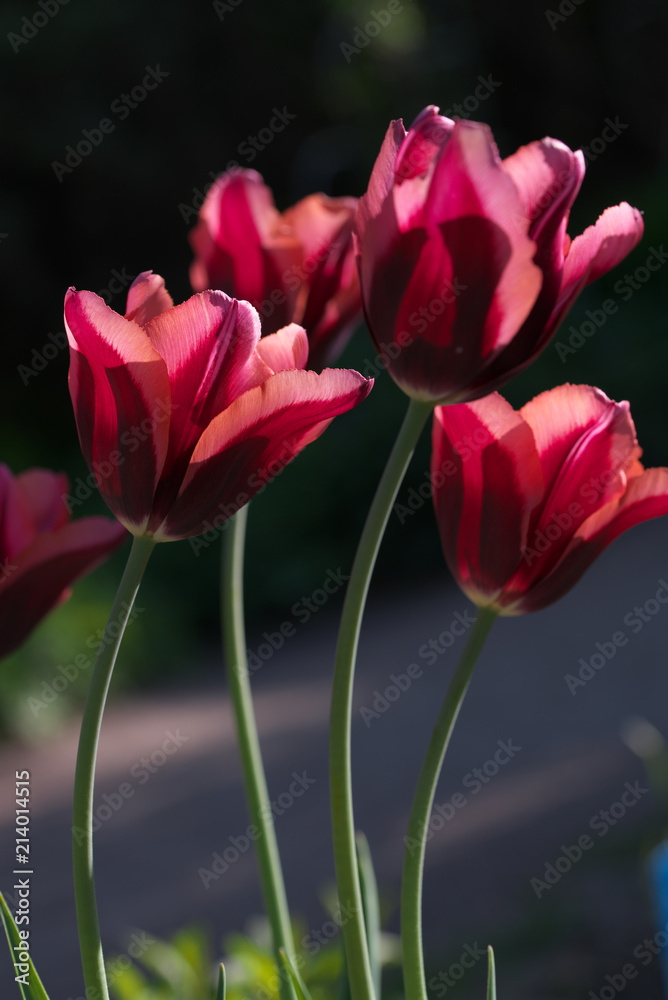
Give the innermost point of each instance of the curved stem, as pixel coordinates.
(343, 825)
(259, 804)
(92, 958)
(411, 890)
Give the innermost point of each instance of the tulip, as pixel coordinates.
(183, 413)
(526, 500)
(465, 265)
(42, 552)
(297, 266)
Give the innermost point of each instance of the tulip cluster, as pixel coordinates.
(294, 267)
(465, 263)
(463, 268)
(221, 411)
(525, 513)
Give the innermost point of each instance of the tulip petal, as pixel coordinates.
(645, 498)
(250, 442)
(147, 298)
(597, 250)
(15, 523)
(416, 162)
(329, 299)
(243, 246)
(472, 281)
(226, 227)
(41, 494)
(548, 176)
(586, 443)
(316, 221)
(35, 582)
(487, 480)
(208, 345)
(427, 135)
(120, 392)
(286, 349)
(334, 303)
(469, 181)
(382, 178)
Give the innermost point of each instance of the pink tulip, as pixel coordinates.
(465, 264)
(41, 550)
(526, 501)
(183, 413)
(297, 266)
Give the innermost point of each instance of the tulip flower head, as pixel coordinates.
(183, 413)
(465, 265)
(296, 266)
(526, 500)
(41, 550)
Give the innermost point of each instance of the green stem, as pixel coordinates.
(415, 986)
(343, 825)
(234, 640)
(92, 958)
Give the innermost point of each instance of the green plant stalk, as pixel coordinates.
(259, 804)
(92, 958)
(343, 824)
(415, 986)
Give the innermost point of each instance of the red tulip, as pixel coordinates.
(297, 266)
(183, 413)
(526, 501)
(465, 265)
(42, 551)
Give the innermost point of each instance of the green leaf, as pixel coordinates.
(128, 984)
(220, 992)
(371, 907)
(491, 975)
(33, 989)
(300, 986)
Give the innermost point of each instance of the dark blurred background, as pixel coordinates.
(567, 71)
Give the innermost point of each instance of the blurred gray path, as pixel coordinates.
(559, 762)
